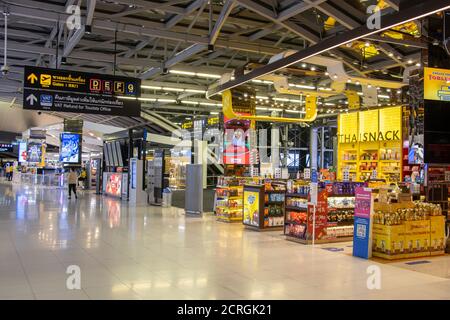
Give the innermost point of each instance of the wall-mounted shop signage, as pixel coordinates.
(436, 84)
(372, 126)
(80, 92)
(6, 147)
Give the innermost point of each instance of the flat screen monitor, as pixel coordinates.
(70, 151)
(437, 132)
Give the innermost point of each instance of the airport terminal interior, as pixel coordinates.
(224, 150)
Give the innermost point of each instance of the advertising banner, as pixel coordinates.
(80, 92)
(34, 153)
(23, 152)
(251, 208)
(362, 239)
(436, 84)
(70, 148)
(321, 217)
(114, 184)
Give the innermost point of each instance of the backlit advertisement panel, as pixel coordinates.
(70, 150)
(34, 154)
(22, 152)
(114, 184)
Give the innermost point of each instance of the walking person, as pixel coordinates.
(11, 173)
(72, 179)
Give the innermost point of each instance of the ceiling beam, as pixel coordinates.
(226, 10)
(190, 8)
(408, 14)
(179, 57)
(269, 14)
(394, 4)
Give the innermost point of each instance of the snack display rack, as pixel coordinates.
(295, 220)
(341, 209)
(228, 202)
(264, 205)
(334, 212)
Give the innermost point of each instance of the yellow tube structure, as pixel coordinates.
(310, 108)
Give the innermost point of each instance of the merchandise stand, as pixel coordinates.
(228, 203)
(264, 206)
(330, 221)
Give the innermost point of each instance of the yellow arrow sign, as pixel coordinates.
(32, 78)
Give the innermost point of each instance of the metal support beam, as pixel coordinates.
(179, 57)
(226, 10)
(388, 21)
(190, 8)
(90, 11)
(268, 14)
(394, 4)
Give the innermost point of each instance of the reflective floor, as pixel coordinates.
(156, 253)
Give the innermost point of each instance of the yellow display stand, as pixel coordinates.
(370, 141)
(412, 239)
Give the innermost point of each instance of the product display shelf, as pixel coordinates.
(341, 209)
(264, 205)
(228, 203)
(296, 214)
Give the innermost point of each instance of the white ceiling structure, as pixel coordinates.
(180, 47)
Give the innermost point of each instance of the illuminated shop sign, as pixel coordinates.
(370, 136)
(370, 126)
(436, 84)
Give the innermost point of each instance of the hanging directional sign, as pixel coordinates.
(80, 92)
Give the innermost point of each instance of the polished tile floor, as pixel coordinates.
(154, 253)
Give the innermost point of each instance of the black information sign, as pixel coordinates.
(6, 147)
(80, 92)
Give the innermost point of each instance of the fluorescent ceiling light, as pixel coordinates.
(187, 73)
(167, 100)
(305, 87)
(281, 99)
(126, 98)
(173, 89)
(147, 99)
(195, 90)
(213, 112)
(207, 75)
(261, 108)
(150, 87)
(189, 102)
(383, 96)
(293, 111)
(210, 104)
